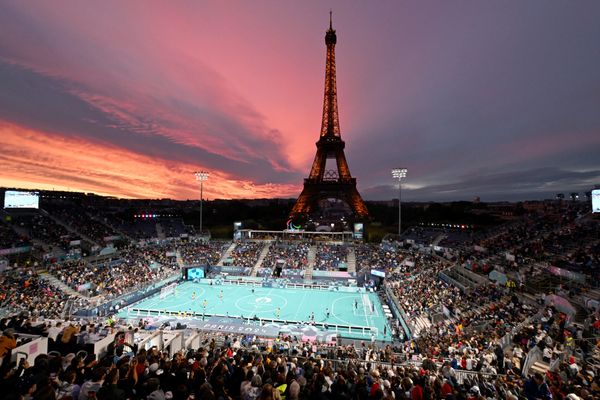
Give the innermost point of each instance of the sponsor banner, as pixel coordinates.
(331, 274)
(378, 273)
(231, 327)
(75, 243)
(108, 250)
(561, 304)
(111, 238)
(564, 273)
(83, 287)
(232, 270)
(15, 250)
(499, 277)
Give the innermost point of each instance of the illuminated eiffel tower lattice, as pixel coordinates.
(335, 182)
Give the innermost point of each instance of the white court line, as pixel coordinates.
(366, 316)
(300, 305)
(336, 316)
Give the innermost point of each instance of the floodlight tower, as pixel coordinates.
(201, 176)
(399, 173)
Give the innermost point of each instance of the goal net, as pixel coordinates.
(167, 290)
(368, 305)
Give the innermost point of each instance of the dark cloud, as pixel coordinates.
(541, 183)
(477, 88)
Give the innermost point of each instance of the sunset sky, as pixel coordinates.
(497, 99)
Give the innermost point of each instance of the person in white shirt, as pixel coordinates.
(469, 363)
(518, 352)
(547, 354)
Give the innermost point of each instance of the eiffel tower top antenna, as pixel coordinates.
(330, 20)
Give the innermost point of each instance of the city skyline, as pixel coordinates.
(496, 100)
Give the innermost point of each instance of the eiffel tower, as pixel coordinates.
(325, 183)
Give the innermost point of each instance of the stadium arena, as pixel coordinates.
(97, 304)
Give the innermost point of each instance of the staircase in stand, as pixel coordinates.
(68, 227)
(226, 255)
(539, 366)
(261, 258)
(312, 256)
(57, 283)
(421, 324)
(180, 262)
(351, 261)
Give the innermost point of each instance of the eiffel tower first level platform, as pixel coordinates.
(329, 176)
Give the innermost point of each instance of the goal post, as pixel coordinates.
(167, 290)
(368, 305)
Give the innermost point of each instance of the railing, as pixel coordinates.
(533, 356)
(462, 375)
(338, 328)
(451, 281)
(400, 314)
(472, 276)
(507, 339)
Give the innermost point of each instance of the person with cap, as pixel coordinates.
(474, 393)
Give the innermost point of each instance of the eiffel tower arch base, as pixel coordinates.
(307, 205)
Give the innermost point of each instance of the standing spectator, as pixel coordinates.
(536, 388)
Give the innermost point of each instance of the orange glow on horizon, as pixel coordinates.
(48, 161)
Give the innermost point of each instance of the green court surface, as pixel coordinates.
(290, 304)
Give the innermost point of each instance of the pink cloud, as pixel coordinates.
(48, 160)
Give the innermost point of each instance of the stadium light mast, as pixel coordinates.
(399, 173)
(201, 176)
